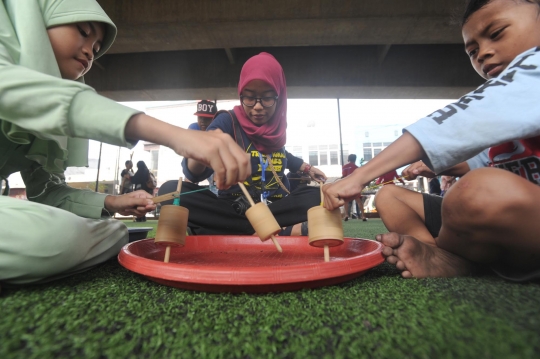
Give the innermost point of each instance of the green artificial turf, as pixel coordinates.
(110, 312)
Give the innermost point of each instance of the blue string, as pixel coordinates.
(197, 190)
(176, 200)
(264, 166)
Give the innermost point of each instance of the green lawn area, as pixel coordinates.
(110, 312)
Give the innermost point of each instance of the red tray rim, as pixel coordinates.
(247, 276)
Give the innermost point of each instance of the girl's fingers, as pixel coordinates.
(219, 171)
(243, 160)
(240, 164)
(140, 194)
(237, 168)
(135, 204)
(145, 208)
(232, 169)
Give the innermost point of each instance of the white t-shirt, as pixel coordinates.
(503, 109)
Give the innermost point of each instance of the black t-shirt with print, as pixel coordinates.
(281, 159)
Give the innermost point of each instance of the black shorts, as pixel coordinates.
(432, 213)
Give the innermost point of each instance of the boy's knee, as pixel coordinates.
(385, 194)
(468, 199)
(481, 196)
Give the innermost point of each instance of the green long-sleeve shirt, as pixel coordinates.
(87, 115)
(39, 104)
(44, 187)
(45, 121)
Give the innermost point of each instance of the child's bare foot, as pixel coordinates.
(419, 260)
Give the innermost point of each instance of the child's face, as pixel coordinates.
(258, 114)
(75, 46)
(204, 122)
(498, 32)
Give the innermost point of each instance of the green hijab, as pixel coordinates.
(23, 34)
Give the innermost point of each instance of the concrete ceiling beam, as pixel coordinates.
(328, 32)
(310, 72)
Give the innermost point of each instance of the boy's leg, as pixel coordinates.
(490, 217)
(402, 211)
(42, 243)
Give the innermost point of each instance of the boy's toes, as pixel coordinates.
(392, 259)
(391, 239)
(387, 251)
(406, 274)
(400, 265)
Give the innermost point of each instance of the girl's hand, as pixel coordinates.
(345, 190)
(317, 175)
(417, 169)
(135, 203)
(218, 151)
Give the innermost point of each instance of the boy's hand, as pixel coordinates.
(342, 191)
(417, 169)
(135, 203)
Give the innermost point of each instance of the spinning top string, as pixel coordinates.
(197, 190)
(382, 184)
(174, 195)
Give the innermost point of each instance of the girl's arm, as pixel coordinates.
(51, 189)
(47, 106)
(206, 149)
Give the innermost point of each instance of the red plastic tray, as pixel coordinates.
(245, 264)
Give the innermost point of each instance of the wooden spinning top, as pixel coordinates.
(171, 230)
(262, 220)
(324, 228)
(172, 225)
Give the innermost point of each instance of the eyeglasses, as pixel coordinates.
(250, 101)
